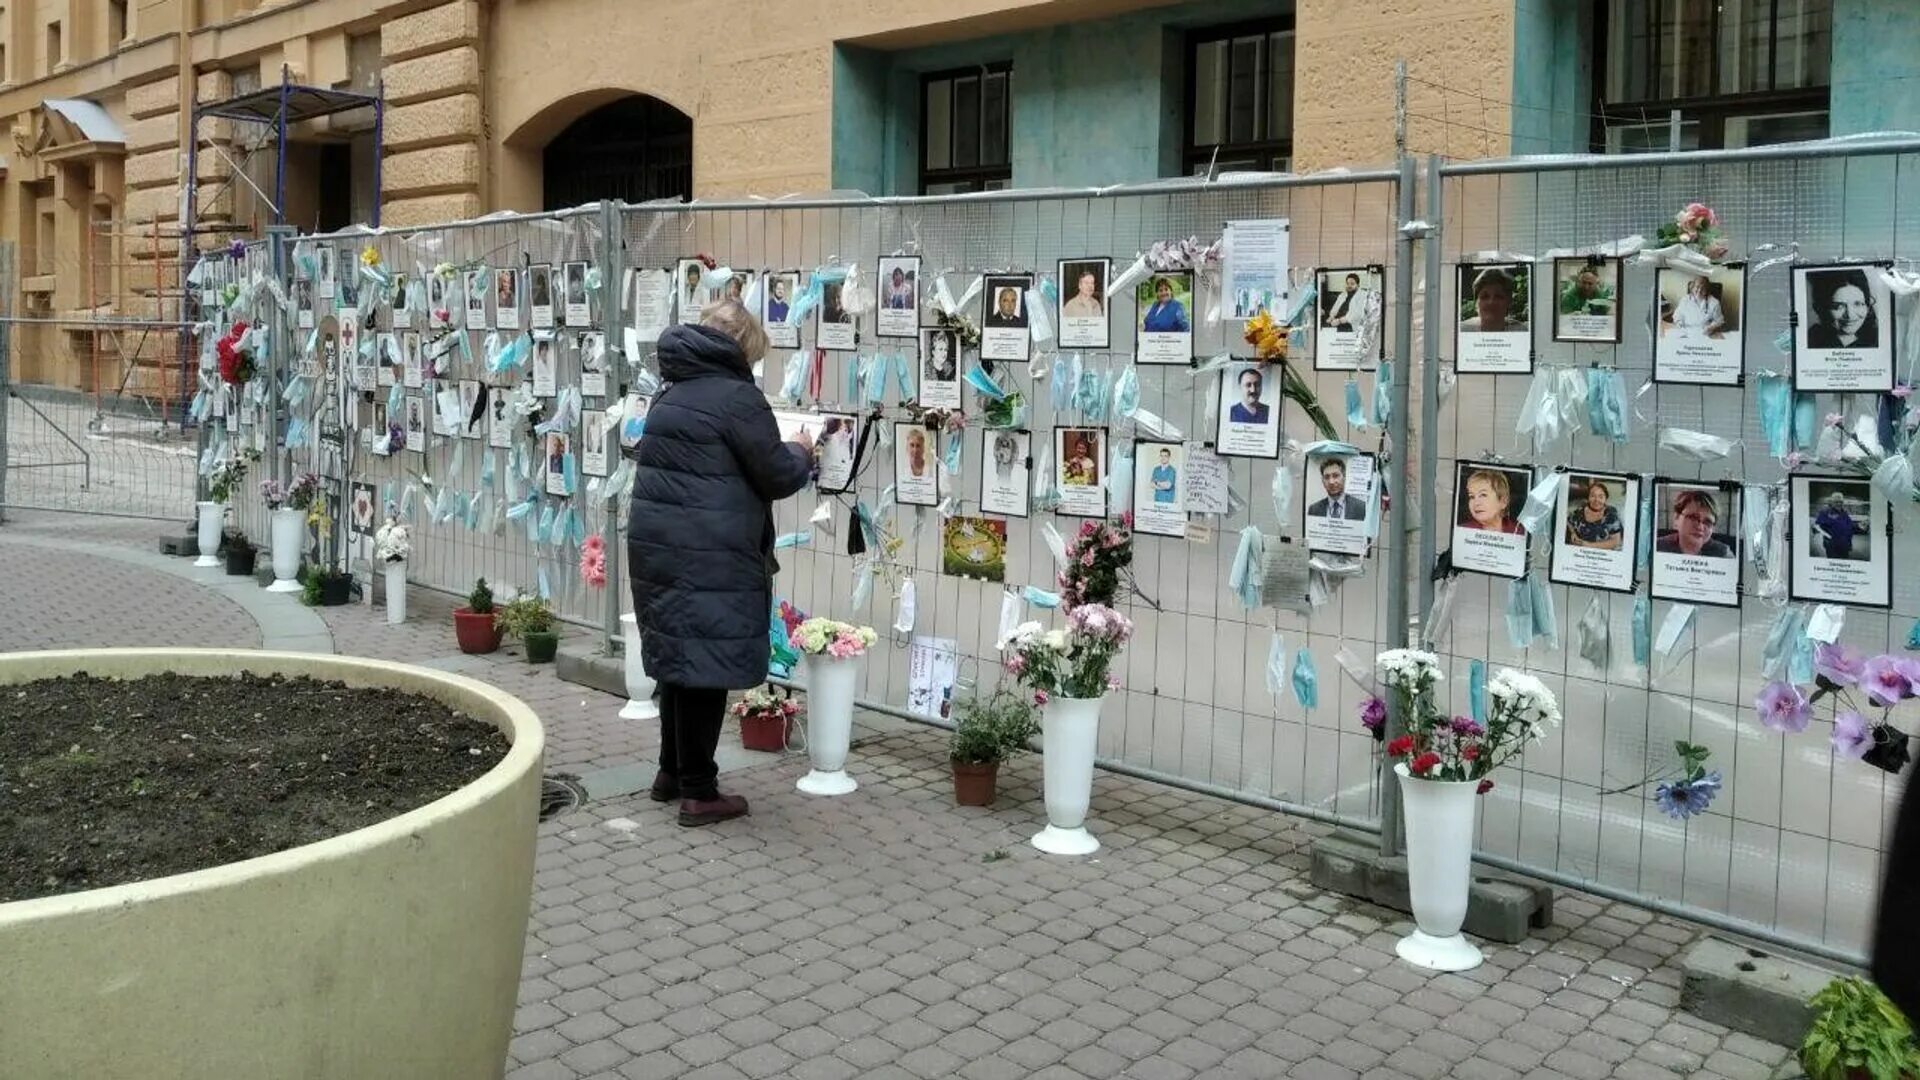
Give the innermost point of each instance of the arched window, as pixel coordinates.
(637, 148)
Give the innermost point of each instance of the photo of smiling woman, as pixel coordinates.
(1596, 526)
(1487, 535)
(1696, 550)
(1492, 336)
(1843, 328)
(1164, 319)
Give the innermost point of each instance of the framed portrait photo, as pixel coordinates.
(546, 366)
(558, 448)
(499, 417)
(1080, 468)
(594, 431)
(1487, 535)
(1492, 331)
(506, 299)
(1004, 333)
(1340, 502)
(1249, 406)
(1841, 546)
(1842, 328)
(939, 369)
(834, 327)
(540, 296)
(473, 412)
(578, 312)
(916, 465)
(899, 301)
(416, 423)
(1159, 485)
(839, 442)
(1163, 318)
(1348, 325)
(1696, 542)
(1700, 326)
(477, 284)
(776, 303)
(689, 293)
(1596, 531)
(1085, 321)
(1586, 299)
(633, 426)
(1006, 471)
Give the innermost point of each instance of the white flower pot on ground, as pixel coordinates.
(212, 516)
(289, 536)
(1069, 735)
(640, 705)
(1439, 817)
(396, 592)
(830, 686)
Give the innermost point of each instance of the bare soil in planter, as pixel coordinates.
(104, 782)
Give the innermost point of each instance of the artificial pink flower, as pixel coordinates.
(1039, 697)
(1852, 735)
(1783, 707)
(1794, 459)
(593, 562)
(1884, 682)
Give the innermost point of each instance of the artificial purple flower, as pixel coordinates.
(1852, 735)
(1909, 667)
(1685, 798)
(1373, 714)
(1465, 727)
(237, 249)
(1838, 664)
(1783, 707)
(1884, 682)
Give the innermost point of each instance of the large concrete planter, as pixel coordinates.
(394, 950)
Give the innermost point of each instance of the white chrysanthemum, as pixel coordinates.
(1414, 667)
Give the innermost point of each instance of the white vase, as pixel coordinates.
(1069, 736)
(830, 686)
(1439, 816)
(212, 516)
(396, 592)
(289, 537)
(639, 704)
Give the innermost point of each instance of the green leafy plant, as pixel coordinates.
(310, 590)
(1858, 1032)
(480, 600)
(992, 729)
(524, 615)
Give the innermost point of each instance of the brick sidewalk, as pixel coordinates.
(892, 934)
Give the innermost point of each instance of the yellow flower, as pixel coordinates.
(369, 256)
(1258, 327)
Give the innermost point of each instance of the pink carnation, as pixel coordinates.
(593, 562)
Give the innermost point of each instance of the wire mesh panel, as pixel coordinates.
(1793, 843)
(1195, 700)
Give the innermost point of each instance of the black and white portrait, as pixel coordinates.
(540, 297)
(939, 369)
(545, 366)
(477, 283)
(1843, 328)
(499, 417)
(577, 313)
(834, 326)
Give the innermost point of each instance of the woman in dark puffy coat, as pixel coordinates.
(700, 543)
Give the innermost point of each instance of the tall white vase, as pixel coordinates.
(639, 704)
(1439, 817)
(1069, 736)
(830, 686)
(289, 536)
(212, 516)
(396, 592)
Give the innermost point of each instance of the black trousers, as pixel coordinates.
(690, 720)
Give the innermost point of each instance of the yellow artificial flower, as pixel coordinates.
(369, 256)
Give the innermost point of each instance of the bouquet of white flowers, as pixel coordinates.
(393, 541)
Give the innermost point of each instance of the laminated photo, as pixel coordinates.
(577, 313)
(689, 296)
(1249, 412)
(592, 349)
(416, 423)
(593, 442)
(411, 372)
(634, 424)
(1596, 530)
(939, 369)
(1842, 328)
(776, 303)
(1159, 482)
(546, 363)
(499, 416)
(1347, 327)
(1085, 321)
(1586, 305)
(540, 296)
(506, 298)
(1842, 549)
(1700, 326)
(1080, 456)
(833, 324)
(974, 547)
(558, 445)
(1492, 335)
(916, 465)
(1004, 333)
(1487, 535)
(477, 283)
(899, 304)
(1696, 542)
(1339, 502)
(839, 442)
(1163, 319)
(1006, 458)
(473, 413)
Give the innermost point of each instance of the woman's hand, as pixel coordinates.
(804, 441)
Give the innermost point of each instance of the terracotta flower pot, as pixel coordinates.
(973, 782)
(764, 731)
(475, 631)
(542, 646)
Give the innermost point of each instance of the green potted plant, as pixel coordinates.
(531, 620)
(327, 586)
(986, 732)
(1858, 1034)
(240, 554)
(473, 625)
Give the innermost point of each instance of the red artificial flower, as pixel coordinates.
(1485, 786)
(1424, 763)
(1401, 746)
(235, 366)
(1470, 753)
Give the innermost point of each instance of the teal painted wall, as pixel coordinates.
(1876, 66)
(1552, 77)
(1097, 102)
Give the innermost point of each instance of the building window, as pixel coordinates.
(1711, 74)
(966, 117)
(1240, 97)
(54, 54)
(117, 26)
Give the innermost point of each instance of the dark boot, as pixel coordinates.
(666, 787)
(711, 811)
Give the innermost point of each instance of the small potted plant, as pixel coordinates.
(986, 732)
(328, 586)
(474, 626)
(240, 554)
(764, 719)
(531, 620)
(1858, 1034)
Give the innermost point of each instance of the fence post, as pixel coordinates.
(1436, 211)
(7, 252)
(612, 248)
(1399, 435)
(281, 347)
